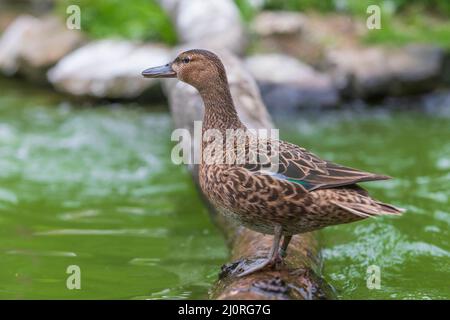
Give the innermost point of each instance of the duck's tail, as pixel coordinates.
(367, 210)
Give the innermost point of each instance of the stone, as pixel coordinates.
(306, 37)
(30, 46)
(208, 23)
(287, 83)
(6, 18)
(416, 69)
(376, 72)
(269, 23)
(108, 69)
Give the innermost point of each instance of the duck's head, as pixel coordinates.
(199, 68)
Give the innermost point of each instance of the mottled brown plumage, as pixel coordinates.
(304, 193)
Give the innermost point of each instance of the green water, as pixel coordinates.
(94, 187)
(411, 251)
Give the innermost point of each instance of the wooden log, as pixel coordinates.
(298, 277)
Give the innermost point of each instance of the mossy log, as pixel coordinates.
(296, 279)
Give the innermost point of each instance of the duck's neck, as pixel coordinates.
(220, 112)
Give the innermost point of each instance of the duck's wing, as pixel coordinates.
(307, 170)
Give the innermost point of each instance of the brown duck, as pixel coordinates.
(304, 193)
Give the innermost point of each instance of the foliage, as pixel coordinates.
(301, 5)
(134, 19)
(411, 28)
(358, 7)
(246, 8)
(403, 21)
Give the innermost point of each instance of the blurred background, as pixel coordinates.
(85, 170)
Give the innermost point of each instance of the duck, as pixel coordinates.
(300, 193)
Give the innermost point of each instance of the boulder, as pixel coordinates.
(306, 37)
(108, 69)
(215, 24)
(446, 70)
(416, 69)
(6, 18)
(30, 46)
(35, 6)
(375, 72)
(272, 23)
(287, 83)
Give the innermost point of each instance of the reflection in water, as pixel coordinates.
(95, 187)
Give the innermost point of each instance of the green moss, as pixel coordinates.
(135, 19)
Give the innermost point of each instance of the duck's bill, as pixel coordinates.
(165, 71)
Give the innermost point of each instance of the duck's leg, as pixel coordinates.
(273, 256)
(284, 245)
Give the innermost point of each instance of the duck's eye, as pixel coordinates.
(186, 60)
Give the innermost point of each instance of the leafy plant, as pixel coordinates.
(132, 19)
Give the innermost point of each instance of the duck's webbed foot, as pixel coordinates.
(243, 267)
(273, 259)
(259, 265)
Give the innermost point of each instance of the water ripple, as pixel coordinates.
(393, 249)
(156, 233)
(8, 196)
(79, 215)
(144, 261)
(42, 253)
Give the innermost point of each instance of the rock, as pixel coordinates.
(306, 37)
(416, 69)
(34, 6)
(359, 72)
(215, 24)
(108, 69)
(30, 46)
(374, 72)
(6, 17)
(434, 103)
(287, 83)
(271, 23)
(446, 70)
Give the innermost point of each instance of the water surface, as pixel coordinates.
(411, 251)
(93, 186)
